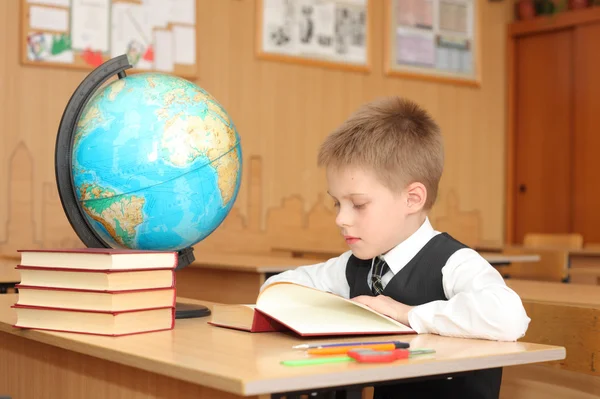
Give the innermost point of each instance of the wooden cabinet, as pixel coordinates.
(553, 139)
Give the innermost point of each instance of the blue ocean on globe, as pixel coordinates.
(157, 162)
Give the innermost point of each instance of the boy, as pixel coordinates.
(383, 167)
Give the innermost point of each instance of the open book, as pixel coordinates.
(306, 311)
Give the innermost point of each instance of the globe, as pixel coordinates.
(156, 162)
(149, 161)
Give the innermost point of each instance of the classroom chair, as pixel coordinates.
(552, 266)
(555, 241)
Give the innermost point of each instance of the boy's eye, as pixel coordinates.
(336, 204)
(359, 206)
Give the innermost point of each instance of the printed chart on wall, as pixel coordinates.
(332, 33)
(156, 35)
(433, 39)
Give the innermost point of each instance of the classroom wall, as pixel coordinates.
(282, 112)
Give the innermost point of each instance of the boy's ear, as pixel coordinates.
(416, 195)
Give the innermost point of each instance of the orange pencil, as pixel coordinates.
(345, 349)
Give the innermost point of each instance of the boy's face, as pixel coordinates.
(372, 218)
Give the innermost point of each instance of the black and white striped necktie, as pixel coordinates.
(380, 268)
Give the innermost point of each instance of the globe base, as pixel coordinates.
(190, 311)
(185, 257)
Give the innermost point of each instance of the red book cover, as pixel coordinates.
(105, 271)
(260, 323)
(105, 251)
(31, 287)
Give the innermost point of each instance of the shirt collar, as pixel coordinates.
(402, 253)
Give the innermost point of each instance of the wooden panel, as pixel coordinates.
(543, 125)
(32, 370)
(225, 286)
(585, 275)
(543, 382)
(282, 111)
(586, 163)
(572, 326)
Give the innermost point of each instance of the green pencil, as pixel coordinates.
(340, 359)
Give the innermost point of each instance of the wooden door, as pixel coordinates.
(586, 154)
(543, 125)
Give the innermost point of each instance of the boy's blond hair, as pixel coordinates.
(395, 138)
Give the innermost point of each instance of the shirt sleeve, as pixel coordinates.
(479, 305)
(329, 276)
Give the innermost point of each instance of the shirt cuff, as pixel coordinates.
(415, 320)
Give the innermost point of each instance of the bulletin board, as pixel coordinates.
(328, 33)
(435, 40)
(156, 35)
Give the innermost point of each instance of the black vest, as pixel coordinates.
(420, 282)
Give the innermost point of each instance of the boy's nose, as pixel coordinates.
(342, 219)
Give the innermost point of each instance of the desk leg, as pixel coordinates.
(351, 393)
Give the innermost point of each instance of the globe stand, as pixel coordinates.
(64, 175)
(188, 310)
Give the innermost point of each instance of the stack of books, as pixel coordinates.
(96, 291)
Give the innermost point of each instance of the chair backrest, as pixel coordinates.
(554, 241)
(592, 245)
(552, 266)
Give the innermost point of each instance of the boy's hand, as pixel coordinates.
(387, 306)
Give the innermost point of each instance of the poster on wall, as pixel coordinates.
(156, 35)
(332, 33)
(433, 40)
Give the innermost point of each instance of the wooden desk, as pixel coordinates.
(568, 294)
(584, 257)
(564, 315)
(237, 278)
(197, 360)
(585, 275)
(496, 259)
(232, 278)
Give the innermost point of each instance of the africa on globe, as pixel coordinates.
(156, 162)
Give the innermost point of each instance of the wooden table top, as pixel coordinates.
(249, 364)
(586, 252)
(506, 259)
(277, 264)
(565, 293)
(250, 262)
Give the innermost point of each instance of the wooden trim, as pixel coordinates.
(511, 69)
(563, 20)
(436, 79)
(387, 20)
(575, 79)
(315, 62)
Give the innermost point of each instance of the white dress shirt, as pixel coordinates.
(479, 304)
